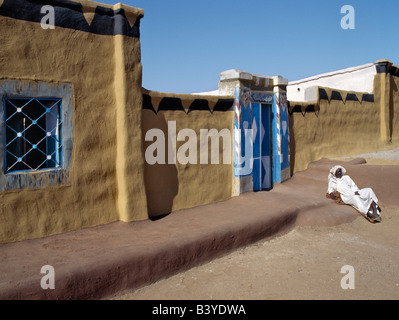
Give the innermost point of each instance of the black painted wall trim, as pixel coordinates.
(336, 95)
(175, 104)
(69, 14)
(386, 67)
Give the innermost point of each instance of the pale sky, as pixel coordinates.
(185, 44)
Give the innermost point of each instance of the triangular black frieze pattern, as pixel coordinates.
(69, 14)
(199, 105)
(147, 104)
(168, 103)
(175, 104)
(336, 95)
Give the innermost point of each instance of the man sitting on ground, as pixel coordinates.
(342, 187)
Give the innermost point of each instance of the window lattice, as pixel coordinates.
(32, 134)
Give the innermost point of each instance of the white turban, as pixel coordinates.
(335, 168)
(332, 180)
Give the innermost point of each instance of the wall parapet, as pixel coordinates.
(161, 101)
(386, 66)
(82, 15)
(92, 57)
(329, 94)
(346, 122)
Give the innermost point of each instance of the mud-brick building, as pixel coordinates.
(344, 112)
(75, 123)
(70, 96)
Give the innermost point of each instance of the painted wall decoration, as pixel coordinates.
(262, 97)
(176, 103)
(284, 132)
(276, 165)
(243, 136)
(261, 139)
(262, 153)
(331, 96)
(280, 137)
(350, 96)
(72, 15)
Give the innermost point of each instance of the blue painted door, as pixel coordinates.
(266, 156)
(262, 151)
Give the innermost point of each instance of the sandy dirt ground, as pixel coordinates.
(305, 263)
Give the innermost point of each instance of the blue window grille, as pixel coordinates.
(32, 134)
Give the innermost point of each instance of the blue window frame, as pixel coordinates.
(32, 134)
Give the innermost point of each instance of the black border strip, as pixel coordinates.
(199, 104)
(168, 103)
(336, 95)
(175, 104)
(69, 14)
(387, 67)
(224, 105)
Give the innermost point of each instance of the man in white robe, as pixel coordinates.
(363, 200)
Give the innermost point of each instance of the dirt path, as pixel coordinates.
(303, 264)
(387, 157)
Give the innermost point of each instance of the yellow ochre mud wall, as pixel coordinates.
(394, 109)
(91, 59)
(173, 186)
(343, 123)
(105, 178)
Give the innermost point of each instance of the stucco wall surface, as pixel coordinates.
(88, 62)
(345, 123)
(358, 79)
(339, 129)
(174, 185)
(394, 109)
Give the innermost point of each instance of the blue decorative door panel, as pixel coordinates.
(261, 129)
(266, 156)
(256, 124)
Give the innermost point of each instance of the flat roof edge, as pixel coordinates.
(332, 73)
